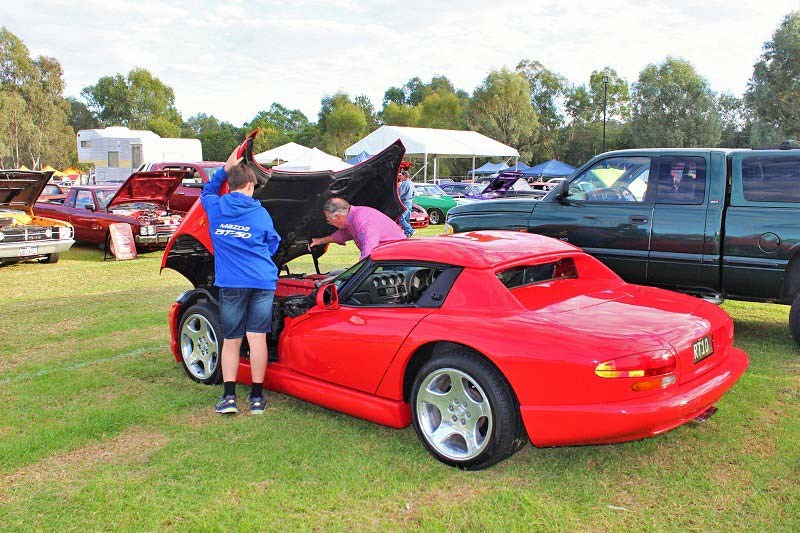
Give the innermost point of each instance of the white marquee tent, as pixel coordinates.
(313, 159)
(433, 143)
(281, 154)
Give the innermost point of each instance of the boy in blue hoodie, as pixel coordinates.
(244, 240)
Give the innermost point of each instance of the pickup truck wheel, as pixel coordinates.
(49, 259)
(464, 411)
(794, 319)
(200, 341)
(436, 216)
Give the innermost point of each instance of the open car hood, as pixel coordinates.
(294, 201)
(19, 189)
(502, 182)
(155, 186)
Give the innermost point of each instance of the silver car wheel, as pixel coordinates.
(454, 414)
(199, 346)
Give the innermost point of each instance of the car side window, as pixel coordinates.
(390, 285)
(771, 179)
(83, 198)
(616, 179)
(681, 180)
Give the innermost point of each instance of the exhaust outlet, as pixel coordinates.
(705, 415)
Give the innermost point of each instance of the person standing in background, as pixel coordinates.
(406, 191)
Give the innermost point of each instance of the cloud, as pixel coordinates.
(233, 59)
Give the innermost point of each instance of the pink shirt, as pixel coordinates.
(369, 228)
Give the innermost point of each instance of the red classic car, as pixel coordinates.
(401, 337)
(140, 201)
(197, 175)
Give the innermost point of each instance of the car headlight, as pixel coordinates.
(448, 229)
(2, 236)
(48, 233)
(142, 230)
(64, 233)
(151, 230)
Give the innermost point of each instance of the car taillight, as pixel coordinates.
(650, 370)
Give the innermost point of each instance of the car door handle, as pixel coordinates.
(638, 219)
(180, 193)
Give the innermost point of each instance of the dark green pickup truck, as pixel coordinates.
(716, 223)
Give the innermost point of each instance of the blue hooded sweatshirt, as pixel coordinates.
(243, 236)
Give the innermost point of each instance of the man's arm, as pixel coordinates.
(339, 237)
(215, 183)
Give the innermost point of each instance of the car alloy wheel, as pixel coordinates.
(464, 410)
(436, 216)
(200, 337)
(454, 414)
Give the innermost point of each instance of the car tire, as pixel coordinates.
(50, 259)
(794, 319)
(200, 343)
(471, 426)
(436, 216)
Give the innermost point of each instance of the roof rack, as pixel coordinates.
(789, 144)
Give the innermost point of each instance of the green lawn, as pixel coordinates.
(102, 430)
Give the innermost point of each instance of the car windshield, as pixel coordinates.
(341, 280)
(211, 169)
(430, 190)
(104, 196)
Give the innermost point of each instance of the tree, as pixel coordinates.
(441, 109)
(548, 91)
(138, 101)
(365, 105)
(400, 115)
(586, 103)
(394, 95)
(344, 126)
(502, 110)
(734, 120)
(80, 116)
(673, 106)
(773, 93)
(217, 138)
(34, 127)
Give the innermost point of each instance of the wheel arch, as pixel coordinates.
(791, 277)
(427, 351)
(190, 298)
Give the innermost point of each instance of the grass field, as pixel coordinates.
(102, 430)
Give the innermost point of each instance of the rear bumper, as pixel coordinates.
(631, 420)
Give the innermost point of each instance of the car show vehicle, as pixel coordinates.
(434, 200)
(197, 175)
(419, 218)
(53, 193)
(25, 235)
(462, 189)
(402, 338)
(140, 202)
(715, 223)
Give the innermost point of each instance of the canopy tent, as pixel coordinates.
(281, 154)
(72, 171)
(313, 159)
(23, 167)
(487, 168)
(433, 143)
(56, 173)
(520, 166)
(550, 169)
(356, 159)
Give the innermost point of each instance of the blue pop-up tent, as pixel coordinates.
(550, 169)
(356, 159)
(520, 166)
(488, 168)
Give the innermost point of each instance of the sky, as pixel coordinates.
(234, 58)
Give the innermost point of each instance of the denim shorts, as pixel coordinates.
(245, 310)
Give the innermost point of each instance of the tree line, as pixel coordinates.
(532, 108)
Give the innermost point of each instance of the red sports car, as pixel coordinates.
(419, 217)
(401, 337)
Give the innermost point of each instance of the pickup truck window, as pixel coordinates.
(83, 199)
(617, 179)
(771, 179)
(681, 180)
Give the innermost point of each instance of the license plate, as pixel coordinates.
(702, 349)
(28, 250)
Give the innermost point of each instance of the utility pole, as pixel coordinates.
(605, 92)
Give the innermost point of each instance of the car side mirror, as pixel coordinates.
(328, 297)
(90, 207)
